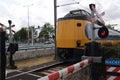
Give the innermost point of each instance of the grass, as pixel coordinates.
(33, 61)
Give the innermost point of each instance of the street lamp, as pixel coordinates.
(28, 19)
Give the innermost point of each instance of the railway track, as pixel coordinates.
(36, 72)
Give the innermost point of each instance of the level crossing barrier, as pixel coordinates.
(112, 69)
(62, 74)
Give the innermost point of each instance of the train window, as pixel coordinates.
(68, 15)
(83, 12)
(79, 24)
(76, 13)
(88, 14)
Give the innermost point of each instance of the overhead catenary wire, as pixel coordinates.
(68, 4)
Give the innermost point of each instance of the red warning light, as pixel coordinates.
(13, 26)
(103, 32)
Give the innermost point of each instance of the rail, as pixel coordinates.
(36, 69)
(66, 71)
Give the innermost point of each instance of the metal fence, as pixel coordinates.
(36, 46)
(33, 47)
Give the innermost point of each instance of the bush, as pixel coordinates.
(112, 51)
(108, 44)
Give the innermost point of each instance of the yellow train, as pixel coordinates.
(73, 31)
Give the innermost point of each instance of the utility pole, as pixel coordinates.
(55, 20)
(68, 4)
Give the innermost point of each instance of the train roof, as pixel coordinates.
(79, 14)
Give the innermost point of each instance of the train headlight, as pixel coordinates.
(78, 42)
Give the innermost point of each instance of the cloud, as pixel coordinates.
(39, 13)
(113, 12)
(43, 11)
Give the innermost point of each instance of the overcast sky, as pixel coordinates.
(43, 11)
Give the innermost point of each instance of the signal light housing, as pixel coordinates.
(103, 32)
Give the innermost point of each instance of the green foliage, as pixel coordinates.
(47, 30)
(21, 35)
(109, 26)
(112, 51)
(108, 44)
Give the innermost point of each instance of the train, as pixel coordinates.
(73, 31)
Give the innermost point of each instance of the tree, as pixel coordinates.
(21, 35)
(111, 26)
(46, 31)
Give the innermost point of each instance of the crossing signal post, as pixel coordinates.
(94, 49)
(12, 48)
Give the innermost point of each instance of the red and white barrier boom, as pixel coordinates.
(5, 27)
(66, 71)
(112, 69)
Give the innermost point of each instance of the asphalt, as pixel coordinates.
(20, 75)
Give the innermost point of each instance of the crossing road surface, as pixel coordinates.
(20, 75)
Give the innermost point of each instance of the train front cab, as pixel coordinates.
(70, 35)
(70, 39)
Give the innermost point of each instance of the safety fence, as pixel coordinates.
(77, 71)
(19, 55)
(20, 48)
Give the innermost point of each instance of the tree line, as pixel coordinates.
(42, 33)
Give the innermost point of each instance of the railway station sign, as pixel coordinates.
(112, 62)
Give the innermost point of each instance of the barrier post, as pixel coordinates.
(112, 69)
(97, 59)
(2, 55)
(94, 49)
